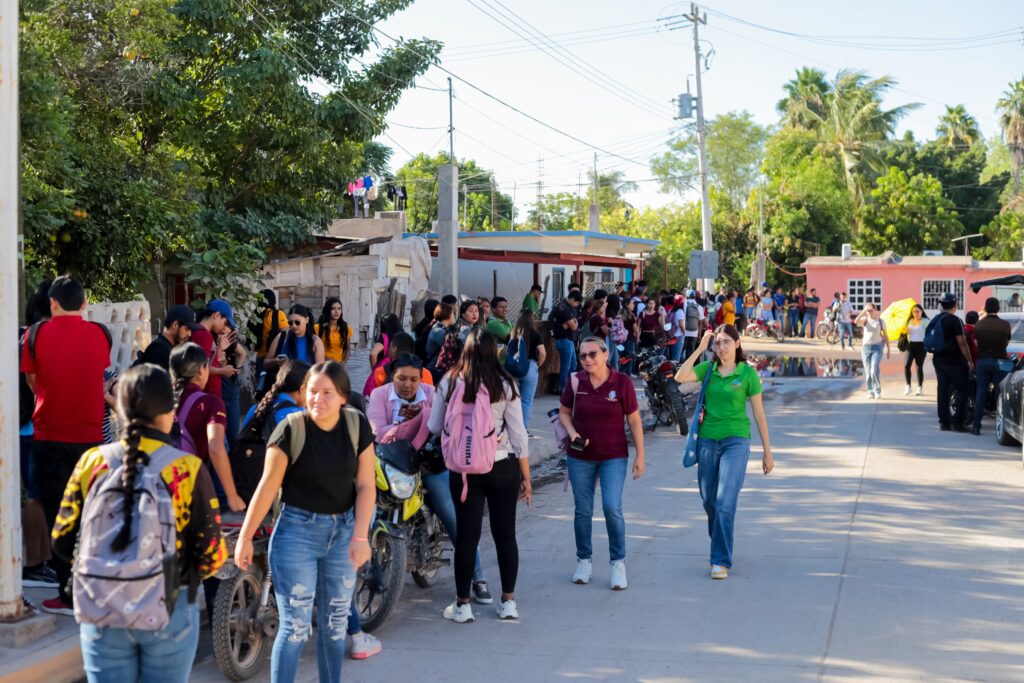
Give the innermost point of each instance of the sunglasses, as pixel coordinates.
(590, 355)
(295, 323)
(408, 360)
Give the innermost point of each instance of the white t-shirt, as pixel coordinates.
(679, 321)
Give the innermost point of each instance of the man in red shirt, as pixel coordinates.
(211, 336)
(63, 360)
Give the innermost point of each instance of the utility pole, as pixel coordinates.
(515, 191)
(451, 123)
(705, 202)
(540, 190)
(760, 234)
(494, 209)
(595, 209)
(465, 201)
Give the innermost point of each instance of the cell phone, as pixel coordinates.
(578, 444)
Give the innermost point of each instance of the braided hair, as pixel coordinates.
(290, 378)
(187, 360)
(143, 393)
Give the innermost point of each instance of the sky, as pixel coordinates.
(628, 64)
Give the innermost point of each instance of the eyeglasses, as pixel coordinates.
(724, 342)
(408, 360)
(590, 355)
(295, 323)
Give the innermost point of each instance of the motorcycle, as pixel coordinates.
(405, 535)
(759, 329)
(244, 620)
(663, 396)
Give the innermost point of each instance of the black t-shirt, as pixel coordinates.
(323, 478)
(533, 342)
(562, 314)
(157, 353)
(952, 327)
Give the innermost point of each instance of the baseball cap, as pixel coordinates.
(536, 288)
(690, 293)
(948, 299)
(180, 314)
(224, 308)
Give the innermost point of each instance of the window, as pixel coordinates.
(557, 288)
(932, 291)
(863, 292)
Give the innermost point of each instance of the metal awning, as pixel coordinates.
(1007, 281)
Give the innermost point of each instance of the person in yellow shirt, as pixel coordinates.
(334, 331)
(729, 308)
(273, 321)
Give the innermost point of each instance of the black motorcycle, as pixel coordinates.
(663, 396)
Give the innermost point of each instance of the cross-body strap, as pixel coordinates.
(186, 407)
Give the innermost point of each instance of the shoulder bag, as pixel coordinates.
(690, 450)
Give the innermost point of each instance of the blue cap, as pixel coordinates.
(224, 308)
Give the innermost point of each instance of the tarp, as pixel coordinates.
(1007, 281)
(896, 316)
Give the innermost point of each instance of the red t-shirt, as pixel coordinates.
(207, 410)
(71, 355)
(204, 338)
(600, 415)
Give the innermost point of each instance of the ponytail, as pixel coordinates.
(290, 377)
(187, 360)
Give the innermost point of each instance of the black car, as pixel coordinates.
(1009, 425)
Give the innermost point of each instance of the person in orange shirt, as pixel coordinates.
(334, 331)
(402, 342)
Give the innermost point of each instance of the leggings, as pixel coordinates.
(500, 489)
(915, 353)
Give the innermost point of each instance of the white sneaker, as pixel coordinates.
(920, 390)
(584, 570)
(460, 613)
(906, 391)
(719, 572)
(619, 575)
(364, 645)
(871, 394)
(506, 609)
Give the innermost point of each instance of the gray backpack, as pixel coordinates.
(692, 317)
(137, 587)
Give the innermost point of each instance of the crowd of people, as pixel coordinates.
(105, 456)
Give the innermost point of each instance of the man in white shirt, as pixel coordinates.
(691, 335)
(845, 321)
(678, 326)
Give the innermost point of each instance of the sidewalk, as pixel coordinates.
(880, 549)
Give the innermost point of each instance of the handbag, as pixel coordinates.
(903, 342)
(690, 449)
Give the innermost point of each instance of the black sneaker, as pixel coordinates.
(481, 594)
(976, 431)
(944, 427)
(959, 428)
(39, 576)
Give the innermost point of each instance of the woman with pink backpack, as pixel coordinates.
(478, 414)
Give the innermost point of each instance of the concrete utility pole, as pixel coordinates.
(447, 225)
(761, 266)
(705, 202)
(595, 209)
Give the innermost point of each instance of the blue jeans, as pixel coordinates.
(721, 467)
(845, 332)
(794, 322)
(629, 351)
(566, 361)
(439, 497)
(986, 372)
(872, 355)
(676, 350)
(310, 562)
(613, 352)
(230, 393)
(527, 391)
(583, 475)
(809, 320)
(116, 655)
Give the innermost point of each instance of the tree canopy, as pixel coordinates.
(484, 206)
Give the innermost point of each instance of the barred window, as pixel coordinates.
(932, 291)
(864, 292)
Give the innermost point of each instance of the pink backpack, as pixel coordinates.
(469, 440)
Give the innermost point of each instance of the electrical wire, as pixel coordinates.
(486, 54)
(513, 41)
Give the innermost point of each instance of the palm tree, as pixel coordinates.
(855, 127)
(1011, 115)
(808, 91)
(957, 127)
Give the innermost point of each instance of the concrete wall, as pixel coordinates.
(129, 325)
(391, 224)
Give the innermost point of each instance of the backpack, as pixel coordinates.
(469, 440)
(719, 316)
(296, 422)
(451, 350)
(934, 337)
(250, 452)
(183, 439)
(517, 364)
(137, 587)
(692, 317)
(618, 331)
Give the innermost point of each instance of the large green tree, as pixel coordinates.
(806, 97)
(907, 214)
(957, 128)
(207, 131)
(735, 147)
(483, 205)
(1011, 115)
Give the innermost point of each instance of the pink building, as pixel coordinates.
(890, 277)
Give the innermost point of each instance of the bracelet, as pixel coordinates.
(364, 540)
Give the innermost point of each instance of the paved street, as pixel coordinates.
(879, 549)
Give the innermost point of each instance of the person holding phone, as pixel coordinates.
(298, 343)
(723, 447)
(594, 406)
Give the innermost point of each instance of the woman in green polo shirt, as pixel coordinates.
(723, 446)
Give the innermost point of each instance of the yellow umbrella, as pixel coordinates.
(896, 316)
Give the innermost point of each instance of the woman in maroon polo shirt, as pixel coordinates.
(595, 404)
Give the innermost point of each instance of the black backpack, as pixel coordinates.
(250, 452)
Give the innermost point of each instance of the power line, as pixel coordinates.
(513, 41)
(499, 52)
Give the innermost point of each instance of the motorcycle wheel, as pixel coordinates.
(678, 405)
(239, 640)
(380, 581)
(425, 579)
(823, 331)
(758, 332)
